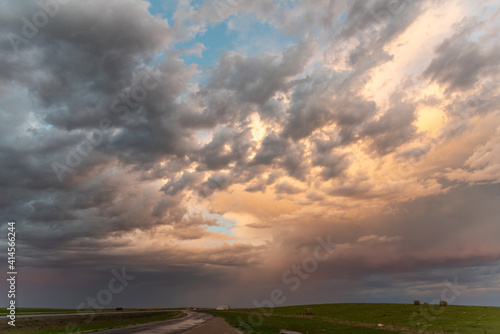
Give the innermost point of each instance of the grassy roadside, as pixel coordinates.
(28, 311)
(20, 311)
(273, 324)
(81, 324)
(363, 318)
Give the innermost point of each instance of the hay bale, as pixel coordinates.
(309, 311)
(443, 303)
(416, 302)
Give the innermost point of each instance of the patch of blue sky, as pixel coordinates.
(243, 33)
(217, 39)
(163, 8)
(224, 225)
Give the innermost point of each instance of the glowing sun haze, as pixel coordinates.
(205, 146)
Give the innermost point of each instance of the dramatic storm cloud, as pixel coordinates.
(216, 150)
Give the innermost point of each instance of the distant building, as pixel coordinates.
(223, 308)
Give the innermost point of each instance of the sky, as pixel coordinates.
(168, 153)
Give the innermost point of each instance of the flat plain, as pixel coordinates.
(83, 323)
(365, 318)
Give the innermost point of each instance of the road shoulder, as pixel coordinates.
(216, 325)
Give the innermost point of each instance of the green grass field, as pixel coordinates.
(20, 311)
(27, 311)
(363, 318)
(81, 323)
(273, 324)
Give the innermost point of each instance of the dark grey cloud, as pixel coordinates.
(326, 99)
(272, 147)
(287, 188)
(218, 181)
(296, 163)
(219, 107)
(461, 62)
(257, 79)
(358, 39)
(333, 164)
(306, 114)
(81, 68)
(382, 19)
(81, 50)
(393, 129)
(186, 180)
(237, 82)
(261, 184)
(227, 145)
(71, 71)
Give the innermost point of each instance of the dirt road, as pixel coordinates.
(214, 326)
